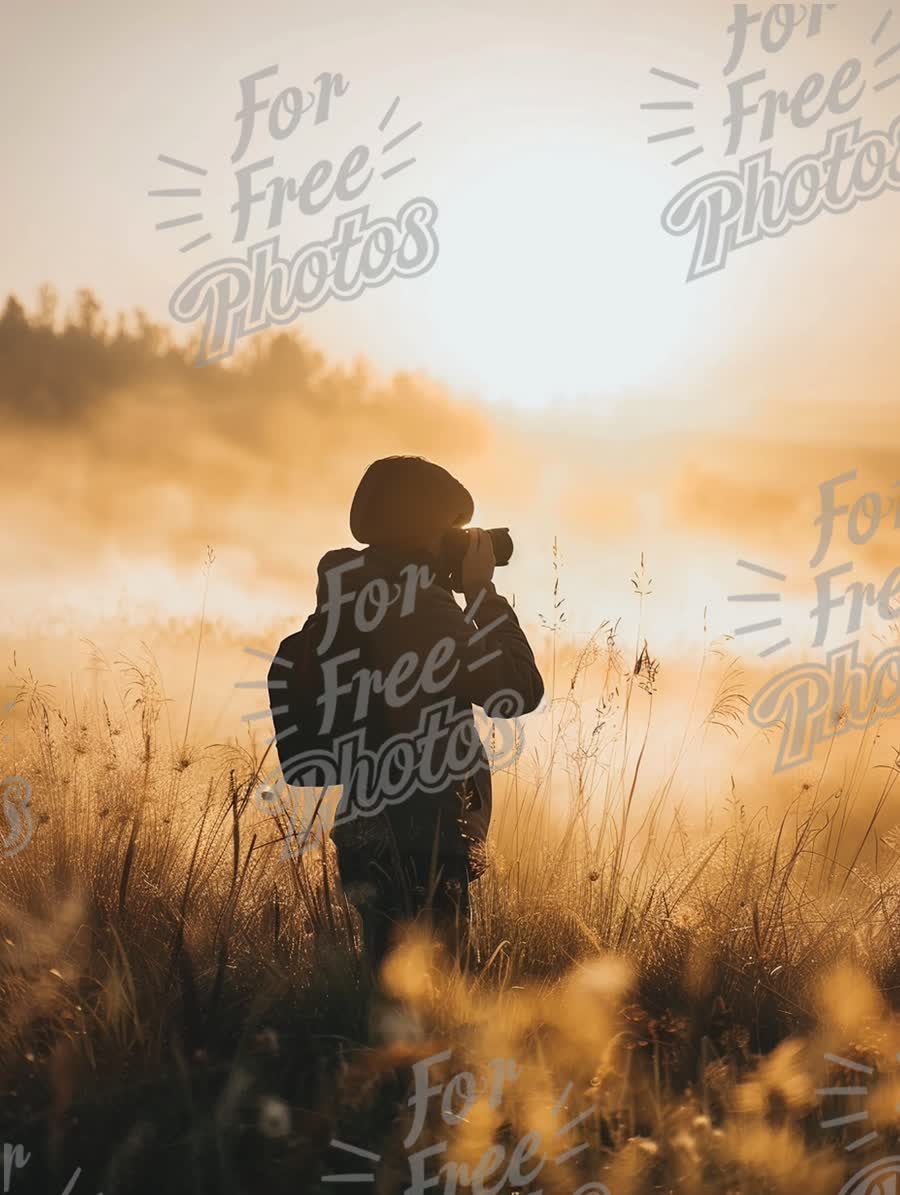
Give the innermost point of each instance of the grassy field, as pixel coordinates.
(647, 1003)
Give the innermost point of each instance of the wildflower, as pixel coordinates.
(780, 1087)
(645, 1144)
(685, 1143)
(274, 1117)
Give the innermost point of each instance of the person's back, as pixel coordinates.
(401, 667)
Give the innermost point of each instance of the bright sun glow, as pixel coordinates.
(553, 290)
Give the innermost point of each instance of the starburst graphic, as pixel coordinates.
(182, 193)
(845, 1091)
(369, 1176)
(859, 1116)
(887, 55)
(292, 188)
(682, 105)
(881, 1175)
(268, 685)
(391, 145)
(271, 685)
(768, 624)
(480, 634)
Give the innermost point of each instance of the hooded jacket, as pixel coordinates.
(409, 665)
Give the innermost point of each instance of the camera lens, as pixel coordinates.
(503, 544)
(456, 542)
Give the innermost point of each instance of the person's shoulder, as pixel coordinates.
(338, 569)
(338, 556)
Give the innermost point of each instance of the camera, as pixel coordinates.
(455, 544)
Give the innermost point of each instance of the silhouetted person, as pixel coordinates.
(402, 664)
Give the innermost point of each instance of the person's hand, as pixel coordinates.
(478, 564)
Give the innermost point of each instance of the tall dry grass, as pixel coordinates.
(185, 1007)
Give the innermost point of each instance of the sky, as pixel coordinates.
(554, 279)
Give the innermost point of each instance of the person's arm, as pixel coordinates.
(491, 654)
